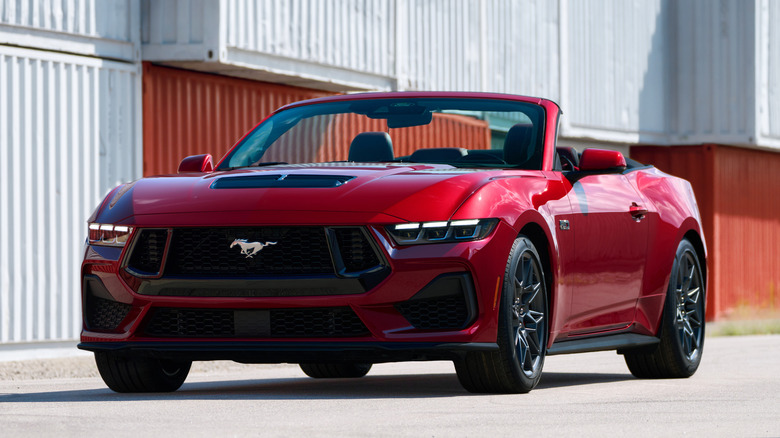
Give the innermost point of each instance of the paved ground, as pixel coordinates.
(735, 393)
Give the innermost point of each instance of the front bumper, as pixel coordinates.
(390, 332)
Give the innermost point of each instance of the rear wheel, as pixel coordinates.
(522, 330)
(335, 370)
(124, 374)
(682, 325)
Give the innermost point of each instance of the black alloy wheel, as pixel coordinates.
(522, 333)
(679, 351)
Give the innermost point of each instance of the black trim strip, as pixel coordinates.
(602, 343)
(291, 352)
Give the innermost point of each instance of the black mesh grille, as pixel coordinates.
(213, 252)
(445, 313)
(332, 322)
(356, 251)
(191, 323)
(103, 314)
(316, 322)
(148, 251)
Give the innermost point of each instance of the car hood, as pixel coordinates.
(412, 193)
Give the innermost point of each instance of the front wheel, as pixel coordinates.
(522, 330)
(679, 351)
(126, 374)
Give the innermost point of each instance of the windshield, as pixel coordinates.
(456, 131)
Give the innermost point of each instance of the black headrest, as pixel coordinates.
(370, 147)
(518, 148)
(437, 155)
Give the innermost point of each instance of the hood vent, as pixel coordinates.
(280, 181)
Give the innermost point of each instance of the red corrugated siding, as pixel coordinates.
(189, 113)
(738, 192)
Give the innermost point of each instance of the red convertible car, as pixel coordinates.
(366, 228)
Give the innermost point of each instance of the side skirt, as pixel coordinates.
(602, 343)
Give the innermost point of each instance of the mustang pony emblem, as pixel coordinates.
(250, 249)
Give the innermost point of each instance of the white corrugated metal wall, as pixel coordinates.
(70, 129)
(713, 71)
(768, 89)
(104, 18)
(616, 69)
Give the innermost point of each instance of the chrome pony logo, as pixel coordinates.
(250, 249)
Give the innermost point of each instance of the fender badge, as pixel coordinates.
(250, 249)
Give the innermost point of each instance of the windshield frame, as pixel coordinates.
(533, 108)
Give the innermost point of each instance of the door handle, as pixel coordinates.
(637, 211)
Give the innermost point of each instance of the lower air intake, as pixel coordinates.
(323, 322)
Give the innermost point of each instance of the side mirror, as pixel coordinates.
(197, 163)
(601, 159)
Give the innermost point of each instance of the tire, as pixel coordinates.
(124, 374)
(522, 330)
(681, 334)
(335, 370)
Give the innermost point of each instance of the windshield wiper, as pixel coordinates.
(270, 163)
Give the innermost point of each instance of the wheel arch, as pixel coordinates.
(701, 253)
(543, 244)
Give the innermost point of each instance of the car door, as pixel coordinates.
(610, 243)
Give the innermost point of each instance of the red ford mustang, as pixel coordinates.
(351, 230)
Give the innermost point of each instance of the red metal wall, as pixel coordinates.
(189, 113)
(738, 191)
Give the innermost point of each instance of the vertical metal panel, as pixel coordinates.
(747, 220)
(353, 34)
(442, 50)
(189, 113)
(713, 71)
(769, 70)
(95, 18)
(521, 47)
(735, 189)
(616, 65)
(56, 162)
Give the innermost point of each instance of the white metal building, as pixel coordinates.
(655, 72)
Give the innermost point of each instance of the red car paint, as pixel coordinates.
(608, 270)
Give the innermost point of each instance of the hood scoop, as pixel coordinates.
(280, 181)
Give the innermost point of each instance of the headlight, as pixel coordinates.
(109, 235)
(442, 231)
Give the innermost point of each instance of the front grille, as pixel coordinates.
(103, 314)
(356, 250)
(444, 313)
(330, 322)
(260, 253)
(148, 251)
(214, 252)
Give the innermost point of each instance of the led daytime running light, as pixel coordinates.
(109, 234)
(441, 231)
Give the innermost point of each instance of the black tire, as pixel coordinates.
(681, 334)
(522, 330)
(124, 374)
(335, 370)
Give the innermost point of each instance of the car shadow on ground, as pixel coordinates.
(369, 387)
